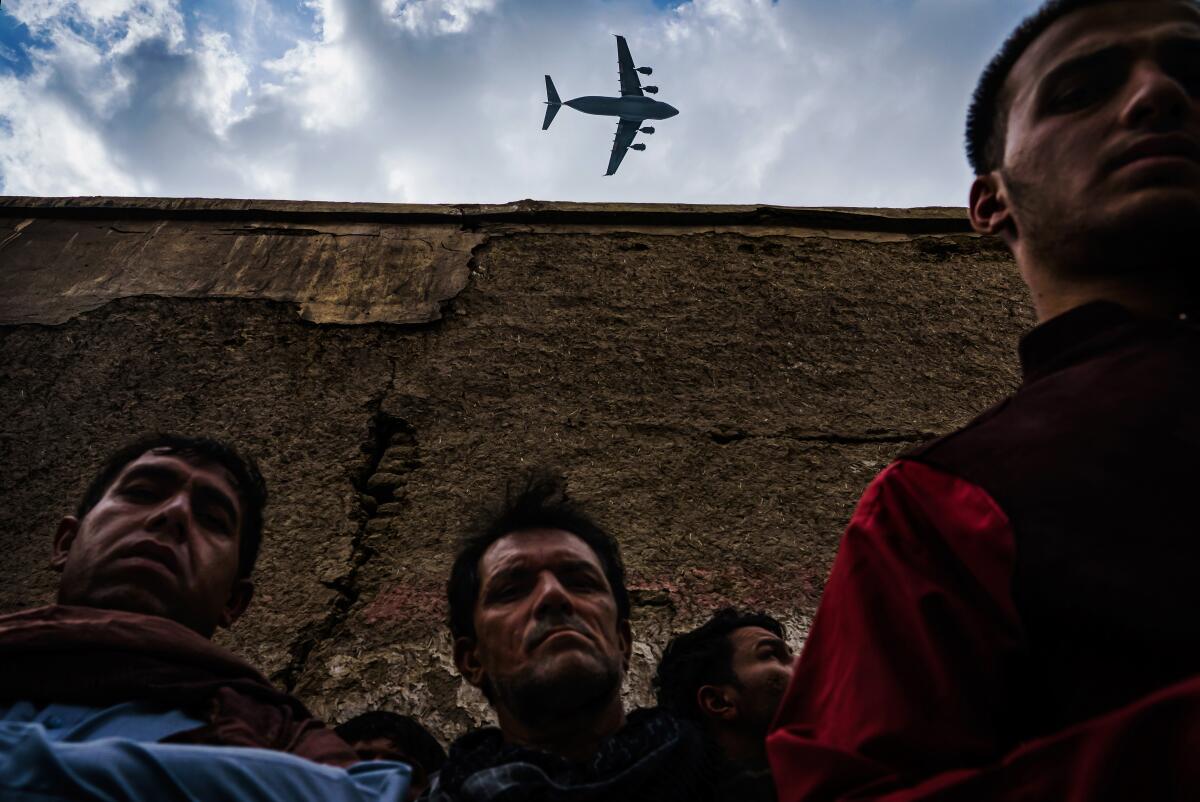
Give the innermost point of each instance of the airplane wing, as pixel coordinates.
(630, 85)
(626, 131)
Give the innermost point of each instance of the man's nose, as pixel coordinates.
(172, 516)
(551, 596)
(1157, 100)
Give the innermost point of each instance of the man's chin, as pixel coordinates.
(1151, 229)
(1157, 211)
(138, 600)
(569, 669)
(570, 681)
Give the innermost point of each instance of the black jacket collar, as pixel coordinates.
(1080, 332)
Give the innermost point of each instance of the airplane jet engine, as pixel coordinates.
(649, 129)
(646, 70)
(638, 146)
(651, 89)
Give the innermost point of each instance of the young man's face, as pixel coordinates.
(163, 540)
(547, 628)
(762, 663)
(1103, 131)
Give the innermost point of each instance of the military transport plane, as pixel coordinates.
(633, 107)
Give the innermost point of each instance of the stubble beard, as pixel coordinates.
(98, 589)
(1150, 247)
(538, 699)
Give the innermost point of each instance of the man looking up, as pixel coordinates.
(729, 675)
(540, 618)
(1011, 613)
(158, 555)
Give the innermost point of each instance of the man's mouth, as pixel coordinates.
(1164, 148)
(154, 553)
(541, 637)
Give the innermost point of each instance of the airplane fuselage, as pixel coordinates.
(629, 107)
(632, 107)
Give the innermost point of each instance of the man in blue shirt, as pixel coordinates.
(158, 555)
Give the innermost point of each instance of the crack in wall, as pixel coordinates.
(449, 309)
(726, 436)
(293, 232)
(477, 252)
(723, 434)
(391, 454)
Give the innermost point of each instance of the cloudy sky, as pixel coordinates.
(796, 102)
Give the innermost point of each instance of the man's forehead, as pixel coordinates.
(1093, 28)
(749, 637)
(527, 548)
(166, 461)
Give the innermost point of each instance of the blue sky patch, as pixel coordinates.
(15, 41)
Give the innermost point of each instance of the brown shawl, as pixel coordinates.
(88, 656)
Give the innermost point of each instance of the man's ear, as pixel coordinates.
(239, 600)
(68, 528)
(990, 210)
(466, 658)
(717, 702)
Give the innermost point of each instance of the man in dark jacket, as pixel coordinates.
(157, 556)
(540, 618)
(1012, 611)
(729, 675)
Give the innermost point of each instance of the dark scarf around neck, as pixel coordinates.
(655, 756)
(89, 656)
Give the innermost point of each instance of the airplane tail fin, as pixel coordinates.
(553, 103)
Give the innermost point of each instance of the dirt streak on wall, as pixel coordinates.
(720, 383)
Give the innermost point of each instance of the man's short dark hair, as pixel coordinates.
(537, 500)
(987, 117)
(405, 732)
(702, 657)
(247, 481)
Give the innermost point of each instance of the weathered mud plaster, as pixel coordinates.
(719, 383)
(353, 264)
(53, 270)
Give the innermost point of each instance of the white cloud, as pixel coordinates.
(223, 81)
(796, 102)
(129, 21)
(436, 16)
(49, 149)
(325, 82)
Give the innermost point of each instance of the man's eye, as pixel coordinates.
(1189, 76)
(1183, 65)
(138, 492)
(1075, 97)
(504, 593)
(217, 523)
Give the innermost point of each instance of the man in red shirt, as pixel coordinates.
(1013, 610)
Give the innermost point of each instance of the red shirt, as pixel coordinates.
(1014, 612)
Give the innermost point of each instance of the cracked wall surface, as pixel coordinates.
(720, 383)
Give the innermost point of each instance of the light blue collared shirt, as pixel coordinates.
(137, 721)
(68, 752)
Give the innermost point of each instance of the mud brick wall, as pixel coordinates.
(720, 383)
